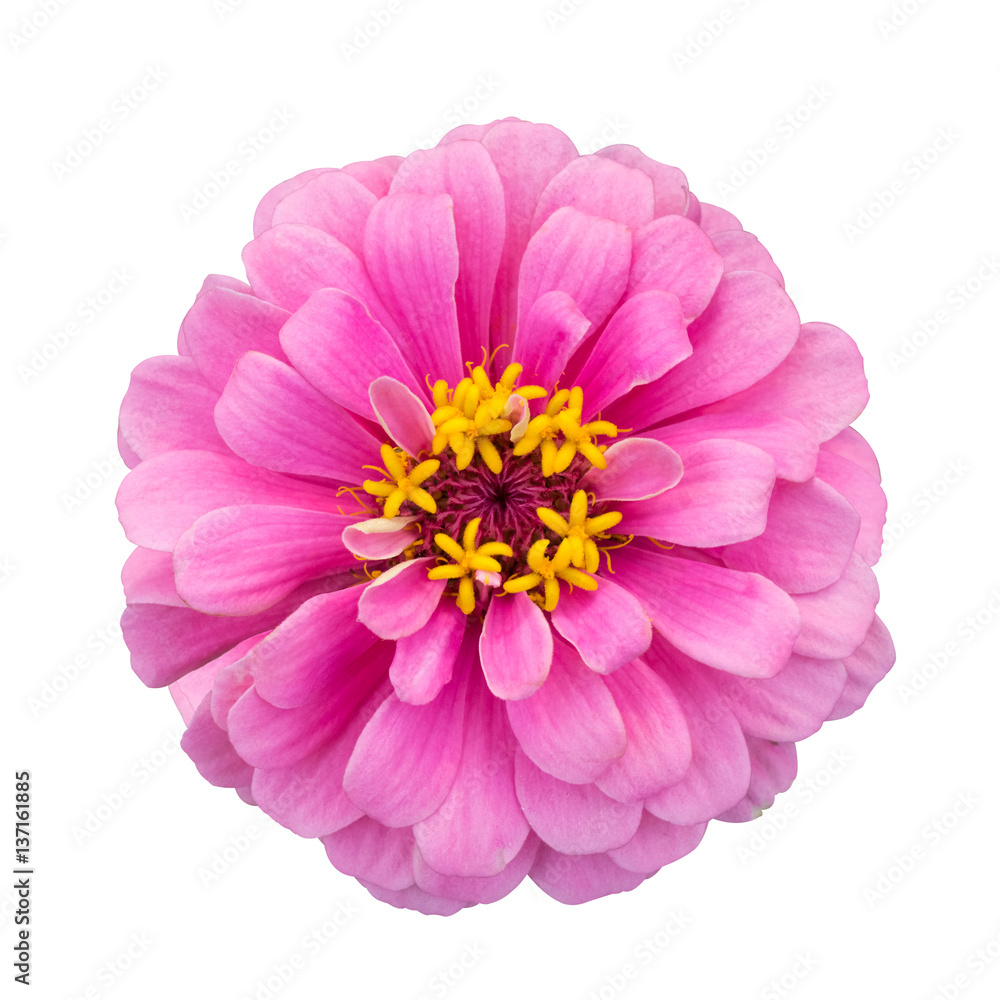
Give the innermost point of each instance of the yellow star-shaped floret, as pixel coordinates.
(469, 558)
(548, 573)
(579, 531)
(403, 483)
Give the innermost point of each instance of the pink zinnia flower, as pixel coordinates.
(507, 522)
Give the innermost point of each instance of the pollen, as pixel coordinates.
(561, 419)
(402, 482)
(470, 559)
(548, 573)
(579, 531)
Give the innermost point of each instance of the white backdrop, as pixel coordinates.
(857, 140)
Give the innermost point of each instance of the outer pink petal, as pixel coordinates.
(863, 493)
(581, 878)
(401, 600)
(836, 620)
(722, 497)
(741, 251)
(600, 187)
(413, 898)
(738, 622)
(209, 747)
(464, 170)
(674, 255)
(717, 220)
(412, 256)
(652, 327)
(169, 406)
(160, 499)
(373, 851)
(866, 666)
(334, 342)
(265, 209)
(241, 560)
(479, 828)
(607, 626)
(657, 843)
(551, 332)
(332, 201)
(515, 647)
(821, 383)
(810, 535)
(670, 188)
(402, 414)
(271, 416)
(407, 757)
(585, 257)
(772, 770)
(376, 175)
(573, 819)
(659, 746)
(851, 445)
(148, 578)
(478, 890)
(570, 727)
(792, 447)
(424, 661)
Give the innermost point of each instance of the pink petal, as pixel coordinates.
(241, 560)
(401, 600)
(742, 251)
(637, 468)
(792, 447)
(160, 499)
(607, 626)
(670, 189)
(190, 690)
(271, 416)
(402, 414)
(672, 254)
(407, 757)
(746, 330)
(772, 770)
(265, 209)
(656, 844)
(550, 333)
(148, 578)
(581, 878)
(821, 383)
(464, 170)
(573, 819)
(515, 647)
(209, 747)
(376, 175)
(334, 342)
(659, 746)
(866, 666)
(721, 498)
(851, 445)
(738, 622)
(311, 646)
(863, 493)
(169, 406)
(600, 187)
(652, 326)
(412, 256)
(478, 890)
(585, 257)
(424, 661)
(836, 620)
(413, 898)
(479, 828)
(370, 850)
(333, 202)
(810, 535)
(717, 220)
(379, 537)
(719, 773)
(570, 726)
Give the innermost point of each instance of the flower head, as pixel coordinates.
(613, 480)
